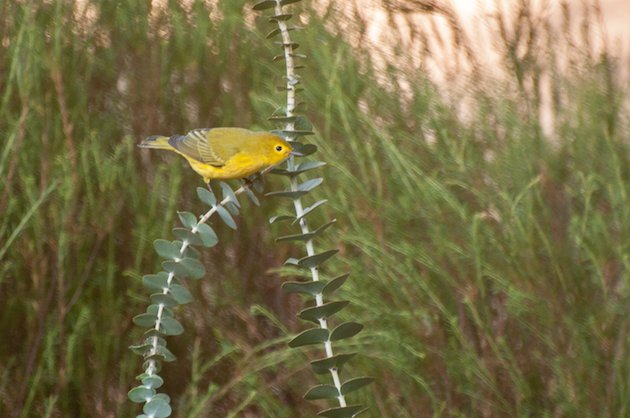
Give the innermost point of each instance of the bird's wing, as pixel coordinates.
(196, 144)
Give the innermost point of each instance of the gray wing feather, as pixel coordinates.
(195, 145)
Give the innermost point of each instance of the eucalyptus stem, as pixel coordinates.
(180, 262)
(291, 82)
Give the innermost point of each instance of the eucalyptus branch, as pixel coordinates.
(291, 83)
(181, 262)
(294, 127)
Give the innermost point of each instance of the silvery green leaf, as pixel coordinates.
(229, 193)
(345, 330)
(326, 310)
(309, 185)
(355, 384)
(310, 337)
(206, 196)
(167, 249)
(322, 366)
(252, 196)
(154, 381)
(279, 218)
(226, 217)
(140, 394)
(157, 408)
(188, 219)
(155, 281)
(207, 235)
(309, 288)
(322, 392)
(171, 326)
(266, 4)
(145, 320)
(343, 411)
(317, 259)
(335, 283)
(162, 299)
(181, 294)
(187, 235)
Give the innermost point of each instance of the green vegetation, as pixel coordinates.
(489, 251)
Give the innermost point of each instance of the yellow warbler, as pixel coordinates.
(224, 153)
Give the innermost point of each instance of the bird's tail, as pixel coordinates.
(156, 142)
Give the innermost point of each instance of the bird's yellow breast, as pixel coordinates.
(239, 166)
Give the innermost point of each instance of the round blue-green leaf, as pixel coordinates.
(161, 352)
(195, 269)
(181, 294)
(171, 326)
(316, 313)
(345, 330)
(343, 412)
(232, 208)
(187, 235)
(335, 283)
(206, 196)
(226, 217)
(355, 384)
(145, 320)
(188, 219)
(186, 267)
(141, 349)
(154, 381)
(162, 299)
(322, 366)
(151, 362)
(162, 396)
(309, 337)
(229, 193)
(309, 288)
(155, 281)
(157, 408)
(155, 339)
(167, 249)
(154, 309)
(321, 392)
(140, 394)
(317, 259)
(207, 235)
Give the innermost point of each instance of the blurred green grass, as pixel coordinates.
(489, 256)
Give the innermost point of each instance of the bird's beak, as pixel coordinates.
(296, 153)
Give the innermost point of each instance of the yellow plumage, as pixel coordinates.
(224, 153)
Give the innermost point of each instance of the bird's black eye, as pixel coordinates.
(278, 147)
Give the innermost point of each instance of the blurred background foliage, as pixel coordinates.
(486, 221)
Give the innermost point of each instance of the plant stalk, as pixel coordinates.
(287, 46)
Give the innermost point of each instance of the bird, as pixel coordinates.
(225, 153)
